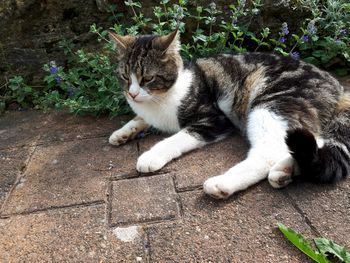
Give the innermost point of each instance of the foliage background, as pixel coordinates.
(86, 82)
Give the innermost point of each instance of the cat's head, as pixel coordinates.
(148, 65)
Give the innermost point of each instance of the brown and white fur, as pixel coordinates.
(295, 116)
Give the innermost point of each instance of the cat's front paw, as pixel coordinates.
(150, 162)
(217, 187)
(121, 136)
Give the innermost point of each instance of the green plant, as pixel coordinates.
(327, 32)
(324, 247)
(17, 91)
(88, 83)
(90, 86)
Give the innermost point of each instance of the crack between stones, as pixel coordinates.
(148, 222)
(147, 247)
(189, 189)
(109, 198)
(304, 216)
(20, 176)
(177, 197)
(52, 208)
(38, 143)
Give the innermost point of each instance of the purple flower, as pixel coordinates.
(58, 79)
(305, 38)
(311, 28)
(284, 29)
(53, 69)
(282, 39)
(342, 32)
(295, 55)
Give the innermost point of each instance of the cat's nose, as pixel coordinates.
(133, 94)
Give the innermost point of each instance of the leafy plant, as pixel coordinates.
(17, 91)
(87, 84)
(324, 247)
(91, 86)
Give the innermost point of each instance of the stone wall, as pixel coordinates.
(31, 29)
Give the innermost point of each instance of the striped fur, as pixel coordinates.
(257, 94)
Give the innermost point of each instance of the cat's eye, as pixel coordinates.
(125, 77)
(147, 79)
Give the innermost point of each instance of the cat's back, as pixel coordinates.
(240, 82)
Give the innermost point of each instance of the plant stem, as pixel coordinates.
(295, 45)
(166, 12)
(4, 85)
(261, 40)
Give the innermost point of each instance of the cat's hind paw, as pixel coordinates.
(281, 173)
(149, 162)
(216, 187)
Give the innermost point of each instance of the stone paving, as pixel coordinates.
(68, 196)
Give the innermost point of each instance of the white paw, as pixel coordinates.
(280, 175)
(217, 187)
(122, 136)
(279, 179)
(150, 162)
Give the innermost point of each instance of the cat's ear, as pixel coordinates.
(169, 43)
(122, 42)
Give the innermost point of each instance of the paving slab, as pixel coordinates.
(145, 199)
(241, 229)
(63, 126)
(21, 128)
(327, 207)
(68, 235)
(12, 162)
(69, 173)
(192, 169)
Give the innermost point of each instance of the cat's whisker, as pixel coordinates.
(157, 100)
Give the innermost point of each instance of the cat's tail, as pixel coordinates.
(329, 162)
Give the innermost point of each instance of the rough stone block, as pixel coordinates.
(327, 207)
(241, 229)
(69, 173)
(68, 235)
(194, 168)
(12, 161)
(21, 128)
(66, 126)
(144, 199)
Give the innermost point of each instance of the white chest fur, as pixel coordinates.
(162, 113)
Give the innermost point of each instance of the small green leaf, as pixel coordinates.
(302, 244)
(296, 37)
(312, 60)
(28, 89)
(328, 246)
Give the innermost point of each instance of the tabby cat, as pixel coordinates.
(295, 116)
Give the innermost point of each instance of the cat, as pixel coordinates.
(295, 116)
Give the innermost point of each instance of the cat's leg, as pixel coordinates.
(266, 132)
(129, 131)
(167, 150)
(207, 130)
